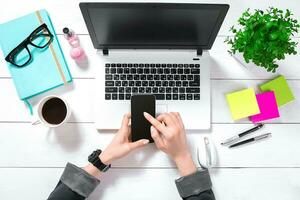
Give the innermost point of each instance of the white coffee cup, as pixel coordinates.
(52, 111)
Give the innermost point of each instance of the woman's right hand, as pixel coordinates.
(169, 136)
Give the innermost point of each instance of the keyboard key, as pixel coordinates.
(135, 90)
(113, 65)
(158, 83)
(136, 77)
(160, 71)
(168, 96)
(190, 77)
(107, 65)
(168, 90)
(108, 77)
(166, 71)
(147, 65)
(125, 83)
(124, 65)
(114, 96)
(131, 83)
(197, 65)
(175, 90)
(159, 96)
(187, 71)
(118, 83)
(128, 90)
(195, 71)
(153, 71)
(173, 71)
(174, 65)
(140, 71)
(185, 83)
(169, 77)
(143, 77)
(121, 89)
(161, 90)
(165, 83)
(120, 70)
(183, 77)
(132, 71)
(113, 70)
(180, 71)
(163, 77)
(171, 83)
(141, 65)
(196, 96)
(185, 65)
(175, 96)
(192, 90)
(144, 83)
(141, 90)
(111, 89)
(163, 65)
(123, 77)
(148, 90)
(192, 65)
(107, 96)
(149, 77)
(194, 83)
(138, 83)
(119, 65)
(109, 83)
(189, 96)
(182, 90)
(116, 77)
(146, 71)
(151, 83)
(128, 96)
(154, 90)
(182, 96)
(176, 77)
(126, 70)
(106, 70)
(129, 65)
(156, 77)
(129, 77)
(135, 65)
(121, 96)
(178, 84)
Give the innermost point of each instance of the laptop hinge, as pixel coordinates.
(199, 52)
(105, 52)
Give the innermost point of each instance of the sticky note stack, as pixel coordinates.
(263, 106)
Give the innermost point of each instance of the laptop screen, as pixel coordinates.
(145, 25)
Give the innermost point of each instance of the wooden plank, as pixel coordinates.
(73, 18)
(223, 65)
(75, 142)
(81, 94)
(228, 184)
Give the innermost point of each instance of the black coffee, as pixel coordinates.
(54, 111)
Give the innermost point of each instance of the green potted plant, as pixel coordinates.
(264, 37)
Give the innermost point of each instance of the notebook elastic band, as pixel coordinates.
(59, 68)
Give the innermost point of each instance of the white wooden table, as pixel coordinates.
(33, 158)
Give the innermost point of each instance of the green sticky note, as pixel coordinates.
(243, 103)
(281, 89)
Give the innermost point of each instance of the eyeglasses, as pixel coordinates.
(40, 38)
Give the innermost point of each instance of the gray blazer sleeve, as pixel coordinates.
(195, 185)
(79, 180)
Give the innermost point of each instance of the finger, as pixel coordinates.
(125, 121)
(157, 138)
(138, 144)
(166, 118)
(154, 122)
(176, 118)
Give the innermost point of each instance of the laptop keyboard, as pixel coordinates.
(165, 81)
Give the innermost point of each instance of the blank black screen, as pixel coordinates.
(153, 26)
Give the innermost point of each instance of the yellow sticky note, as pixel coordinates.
(242, 103)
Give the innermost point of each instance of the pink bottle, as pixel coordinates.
(77, 52)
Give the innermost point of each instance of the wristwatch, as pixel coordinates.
(95, 160)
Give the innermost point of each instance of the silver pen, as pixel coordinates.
(236, 137)
(257, 138)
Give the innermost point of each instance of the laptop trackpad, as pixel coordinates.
(161, 108)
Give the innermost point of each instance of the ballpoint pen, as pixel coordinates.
(236, 137)
(260, 137)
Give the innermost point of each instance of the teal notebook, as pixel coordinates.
(48, 68)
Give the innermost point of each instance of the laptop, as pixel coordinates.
(153, 48)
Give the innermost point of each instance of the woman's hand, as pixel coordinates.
(121, 145)
(169, 136)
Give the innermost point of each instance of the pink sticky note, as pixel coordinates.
(268, 107)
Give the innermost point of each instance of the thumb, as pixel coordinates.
(139, 143)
